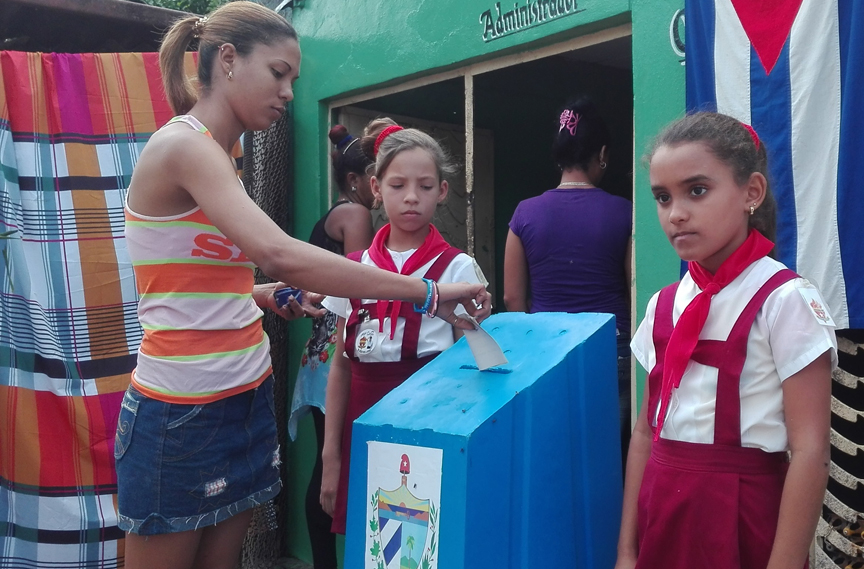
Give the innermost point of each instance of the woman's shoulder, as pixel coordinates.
(616, 202)
(535, 205)
(348, 211)
(177, 144)
(546, 197)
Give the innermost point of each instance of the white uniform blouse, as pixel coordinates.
(787, 335)
(436, 335)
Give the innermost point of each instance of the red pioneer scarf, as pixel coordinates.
(432, 246)
(685, 335)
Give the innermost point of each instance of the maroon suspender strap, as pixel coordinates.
(727, 420)
(728, 356)
(413, 322)
(662, 331)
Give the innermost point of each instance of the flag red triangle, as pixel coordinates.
(767, 24)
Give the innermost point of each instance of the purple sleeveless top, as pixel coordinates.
(575, 243)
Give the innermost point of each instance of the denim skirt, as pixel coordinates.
(184, 467)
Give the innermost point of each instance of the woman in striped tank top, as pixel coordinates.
(196, 437)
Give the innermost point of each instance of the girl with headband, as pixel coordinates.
(380, 344)
(729, 458)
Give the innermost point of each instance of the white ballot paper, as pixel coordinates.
(485, 349)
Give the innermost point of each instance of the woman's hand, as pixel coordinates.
(263, 295)
(474, 297)
(330, 482)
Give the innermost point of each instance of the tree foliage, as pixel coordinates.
(193, 6)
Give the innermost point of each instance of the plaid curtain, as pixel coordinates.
(71, 129)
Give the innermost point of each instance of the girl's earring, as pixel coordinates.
(230, 75)
(603, 165)
(752, 209)
(353, 188)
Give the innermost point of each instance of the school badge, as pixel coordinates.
(816, 305)
(818, 311)
(403, 522)
(366, 341)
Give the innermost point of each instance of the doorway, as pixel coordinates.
(509, 110)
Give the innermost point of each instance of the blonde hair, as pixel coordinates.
(401, 140)
(242, 24)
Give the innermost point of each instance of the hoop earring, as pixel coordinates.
(752, 209)
(230, 75)
(353, 189)
(603, 165)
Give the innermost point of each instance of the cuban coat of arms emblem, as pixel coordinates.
(403, 508)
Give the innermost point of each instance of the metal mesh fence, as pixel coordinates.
(267, 176)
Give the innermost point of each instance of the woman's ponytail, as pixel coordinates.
(179, 89)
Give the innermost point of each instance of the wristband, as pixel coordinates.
(430, 292)
(433, 310)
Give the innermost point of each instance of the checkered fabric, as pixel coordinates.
(71, 129)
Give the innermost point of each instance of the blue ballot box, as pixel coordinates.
(514, 467)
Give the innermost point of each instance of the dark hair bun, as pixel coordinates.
(347, 156)
(576, 148)
(339, 136)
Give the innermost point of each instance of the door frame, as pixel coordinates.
(468, 72)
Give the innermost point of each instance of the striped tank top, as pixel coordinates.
(203, 338)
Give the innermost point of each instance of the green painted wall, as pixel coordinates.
(658, 98)
(352, 47)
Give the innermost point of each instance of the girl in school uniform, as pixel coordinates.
(380, 344)
(728, 462)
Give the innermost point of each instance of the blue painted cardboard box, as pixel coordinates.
(514, 467)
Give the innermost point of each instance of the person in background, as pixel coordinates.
(346, 228)
(568, 249)
(196, 444)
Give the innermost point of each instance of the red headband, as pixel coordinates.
(753, 134)
(384, 134)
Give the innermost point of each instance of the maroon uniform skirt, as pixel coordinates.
(709, 506)
(370, 382)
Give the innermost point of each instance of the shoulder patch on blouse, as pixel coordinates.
(816, 305)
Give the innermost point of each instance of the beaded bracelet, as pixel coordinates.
(431, 289)
(434, 308)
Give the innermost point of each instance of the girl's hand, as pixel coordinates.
(330, 483)
(311, 300)
(474, 297)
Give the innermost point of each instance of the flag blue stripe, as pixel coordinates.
(393, 546)
(850, 170)
(699, 39)
(701, 94)
(771, 116)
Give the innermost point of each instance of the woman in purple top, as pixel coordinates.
(568, 250)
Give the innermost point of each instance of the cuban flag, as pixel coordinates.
(794, 69)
